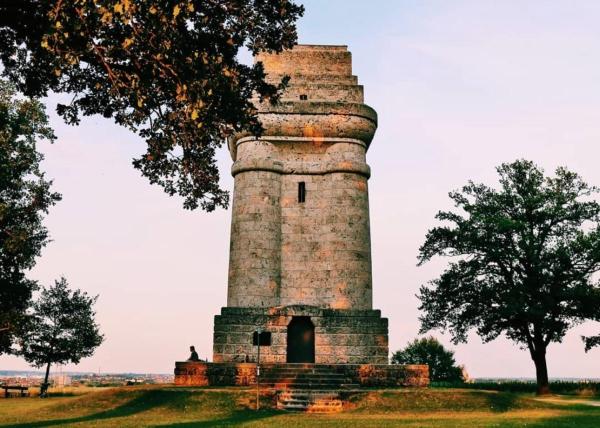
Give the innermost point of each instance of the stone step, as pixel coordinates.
(308, 385)
(307, 370)
(325, 378)
(300, 371)
(309, 401)
(304, 380)
(297, 366)
(306, 392)
(287, 396)
(302, 376)
(299, 384)
(284, 386)
(297, 370)
(322, 379)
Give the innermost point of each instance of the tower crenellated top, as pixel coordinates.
(322, 100)
(321, 73)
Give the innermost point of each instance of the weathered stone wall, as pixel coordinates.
(255, 251)
(341, 336)
(313, 258)
(310, 63)
(284, 252)
(313, 253)
(243, 374)
(199, 373)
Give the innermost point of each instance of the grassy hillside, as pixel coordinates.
(198, 407)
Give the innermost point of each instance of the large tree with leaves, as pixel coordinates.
(524, 255)
(166, 69)
(61, 329)
(25, 197)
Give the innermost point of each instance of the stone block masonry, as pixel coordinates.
(300, 250)
(198, 373)
(300, 253)
(345, 336)
(317, 251)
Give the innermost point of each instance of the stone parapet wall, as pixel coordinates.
(308, 61)
(199, 373)
(243, 374)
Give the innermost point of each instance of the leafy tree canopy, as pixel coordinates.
(524, 258)
(166, 69)
(61, 329)
(428, 350)
(25, 197)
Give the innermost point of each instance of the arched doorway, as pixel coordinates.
(301, 340)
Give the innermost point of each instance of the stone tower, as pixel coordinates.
(300, 255)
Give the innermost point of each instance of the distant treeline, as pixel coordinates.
(577, 387)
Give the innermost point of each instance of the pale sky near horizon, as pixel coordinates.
(459, 86)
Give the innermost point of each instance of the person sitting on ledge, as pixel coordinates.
(194, 355)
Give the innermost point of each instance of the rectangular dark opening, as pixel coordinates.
(265, 338)
(301, 192)
(303, 97)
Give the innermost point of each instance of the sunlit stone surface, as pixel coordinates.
(312, 258)
(300, 255)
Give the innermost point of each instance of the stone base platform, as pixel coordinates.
(341, 336)
(192, 373)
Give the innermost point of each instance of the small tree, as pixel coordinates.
(428, 350)
(62, 328)
(25, 197)
(525, 256)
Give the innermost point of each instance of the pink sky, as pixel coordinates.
(459, 87)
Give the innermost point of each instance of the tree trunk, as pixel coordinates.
(541, 371)
(45, 385)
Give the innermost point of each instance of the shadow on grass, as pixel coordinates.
(237, 417)
(146, 401)
(502, 402)
(582, 418)
(62, 394)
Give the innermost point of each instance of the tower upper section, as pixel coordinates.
(300, 214)
(322, 73)
(323, 99)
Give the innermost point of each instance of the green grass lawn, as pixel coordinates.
(167, 406)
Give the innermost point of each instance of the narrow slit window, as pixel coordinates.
(301, 192)
(303, 97)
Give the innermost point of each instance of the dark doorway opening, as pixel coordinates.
(301, 340)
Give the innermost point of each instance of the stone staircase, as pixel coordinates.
(303, 376)
(306, 387)
(311, 401)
